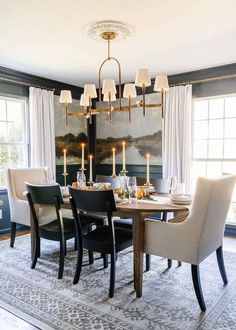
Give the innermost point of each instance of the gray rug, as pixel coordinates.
(168, 300)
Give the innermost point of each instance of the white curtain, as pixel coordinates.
(177, 135)
(42, 130)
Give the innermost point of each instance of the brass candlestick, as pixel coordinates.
(65, 175)
(148, 185)
(123, 172)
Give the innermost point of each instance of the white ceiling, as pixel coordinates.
(48, 38)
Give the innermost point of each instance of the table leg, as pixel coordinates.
(138, 242)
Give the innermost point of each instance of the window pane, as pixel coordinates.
(216, 108)
(2, 110)
(16, 156)
(201, 129)
(231, 217)
(11, 156)
(230, 128)
(229, 167)
(200, 148)
(3, 132)
(230, 107)
(201, 109)
(214, 169)
(14, 111)
(3, 157)
(230, 148)
(199, 169)
(13, 146)
(215, 149)
(14, 132)
(216, 129)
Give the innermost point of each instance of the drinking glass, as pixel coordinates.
(81, 179)
(172, 183)
(132, 186)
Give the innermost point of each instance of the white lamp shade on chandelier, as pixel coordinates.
(108, 86)
(84, 100)
(65, 96)
(107, 90)
(161, 83)
(90, 90)
(129, 91)
(106, 97)
(142, 78)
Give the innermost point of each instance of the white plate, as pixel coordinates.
(180, 198)
(181, 202)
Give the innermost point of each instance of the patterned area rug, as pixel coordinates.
(168, 300)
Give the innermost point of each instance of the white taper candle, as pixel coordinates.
(82, 157)
(123, 157)
(113, 162)
(90, 168)
(148, 170)
(64, 152)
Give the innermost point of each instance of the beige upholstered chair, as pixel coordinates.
(200, 234)
(19, 207)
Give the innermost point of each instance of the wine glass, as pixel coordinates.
(172, 183)
(132, 186)
(81, 179)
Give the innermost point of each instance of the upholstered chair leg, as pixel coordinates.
(79, 262)
(62, 259)
(220, 260)
(13, 234)
(148, 262)
(197, 286)
(179, 263)
(36, 252)
(169, 263)
(112, 275)
(105, 260)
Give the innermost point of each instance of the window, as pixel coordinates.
(214, 140)
(13, 135)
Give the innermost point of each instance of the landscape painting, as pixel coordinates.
(71, 136)
(143, 135)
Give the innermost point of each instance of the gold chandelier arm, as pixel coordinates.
(99, 79)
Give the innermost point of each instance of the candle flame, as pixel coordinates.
(113, 149)
(82, 144)
(148, 155)
(123, 143)
(90, 156)
(64, 151)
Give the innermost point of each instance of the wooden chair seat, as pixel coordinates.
(98, 240)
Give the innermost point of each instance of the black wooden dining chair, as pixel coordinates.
(47, 200)
(124, 223)
(107, 239)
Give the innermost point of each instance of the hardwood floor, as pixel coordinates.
(20, 233)
(9, 321)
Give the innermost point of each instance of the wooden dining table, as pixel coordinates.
(138, 212)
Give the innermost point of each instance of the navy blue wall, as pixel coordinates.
(224, 86)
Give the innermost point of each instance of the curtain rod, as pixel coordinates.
(204, 80)
(26, 84)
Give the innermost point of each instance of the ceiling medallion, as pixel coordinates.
(118, 30)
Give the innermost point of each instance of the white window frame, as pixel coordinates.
(25, 140)
(223, 138)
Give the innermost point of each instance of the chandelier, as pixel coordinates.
(107, 90)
